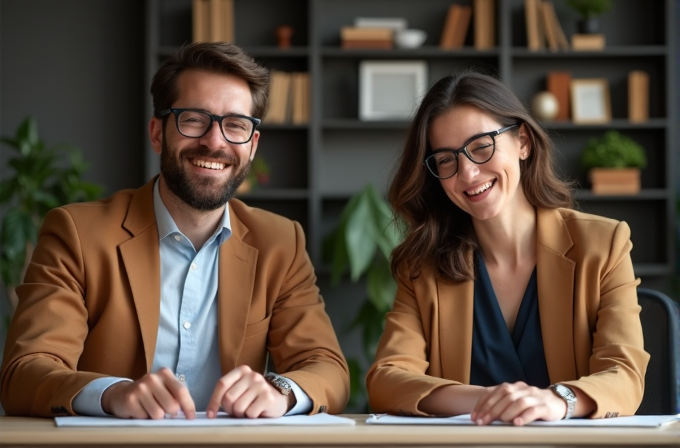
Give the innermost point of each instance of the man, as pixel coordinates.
(167, 299)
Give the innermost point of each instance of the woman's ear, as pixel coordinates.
(524, 142)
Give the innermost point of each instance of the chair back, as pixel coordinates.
(660, 322)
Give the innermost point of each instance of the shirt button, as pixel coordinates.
(187, 325)
(181, 377)
(194, 266)
(178, 238)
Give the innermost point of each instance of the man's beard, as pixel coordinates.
(203, 195)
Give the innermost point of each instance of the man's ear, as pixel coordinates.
(156, 134)
(253, 147)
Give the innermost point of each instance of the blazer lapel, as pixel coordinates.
(237, 266)
(455, 327)
(555, 294)
(141, 258)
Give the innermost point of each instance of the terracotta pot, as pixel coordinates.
(615, 180)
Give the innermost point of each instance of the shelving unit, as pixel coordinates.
(317, 167)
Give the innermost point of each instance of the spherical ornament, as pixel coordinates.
(544, 106)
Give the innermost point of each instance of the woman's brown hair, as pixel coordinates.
(436, 232)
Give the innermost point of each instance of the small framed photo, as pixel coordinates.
(390, 90)
(590, 101)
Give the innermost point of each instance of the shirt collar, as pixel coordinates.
(166, 225)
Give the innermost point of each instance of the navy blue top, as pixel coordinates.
(498, 356)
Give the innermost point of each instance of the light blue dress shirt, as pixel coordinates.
(187, 332)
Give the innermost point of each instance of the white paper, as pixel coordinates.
(222, 419)
(632, 421)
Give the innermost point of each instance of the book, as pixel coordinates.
(587, 42)
(556, 27)
(549, 27)
(462, 26)
(484, 24)
(534, 27)
(200, 13)
(213, 20)
(558, 83)
(638, 96)
(393, 23)
(300, 98)
(353, 33)
(447, 37)
(278, 97)
(367, 44)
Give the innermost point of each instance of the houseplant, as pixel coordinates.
(588, 11)
(363, 242)
(258, 175)
(40, 178)
(613, 162)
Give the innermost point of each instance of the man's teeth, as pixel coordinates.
(481, 189)
(209, 165)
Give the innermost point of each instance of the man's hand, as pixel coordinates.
(152, 396)
(519, 404)
(244, 393)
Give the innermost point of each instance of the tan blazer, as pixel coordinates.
(589, 314)
(89, 305)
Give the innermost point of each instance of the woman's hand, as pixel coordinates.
(519, 404)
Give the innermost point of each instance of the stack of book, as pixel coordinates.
(289, 99)
(455, 27)
(543, 27)
(355, 37)
(213, 20)
(371, 32)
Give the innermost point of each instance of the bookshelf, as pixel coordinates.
(317, 166)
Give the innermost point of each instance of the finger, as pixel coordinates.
(241, 407)
(178, 398)
(148, 401)
(222, 386)
(242, 392)
(499, 401)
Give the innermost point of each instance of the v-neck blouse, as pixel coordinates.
(498, 355)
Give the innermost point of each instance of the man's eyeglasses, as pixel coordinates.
(443, 163)
(194, 123)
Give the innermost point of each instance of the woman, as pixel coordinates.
(510, 306)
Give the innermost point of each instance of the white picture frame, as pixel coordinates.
(590, 102)
(390, 90)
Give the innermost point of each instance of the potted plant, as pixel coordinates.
(42, 178)
(588, 11)
(363, 242)
(614, 162)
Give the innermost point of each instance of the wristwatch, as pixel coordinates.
(278, 382)
(567, 395)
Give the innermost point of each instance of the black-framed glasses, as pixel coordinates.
(195, 123)
(443, 163)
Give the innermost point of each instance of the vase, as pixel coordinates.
(615, 180)
(588, 26)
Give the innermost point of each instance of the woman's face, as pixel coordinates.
(493, 188)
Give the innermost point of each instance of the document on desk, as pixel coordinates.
(222, 419)
(632, 421)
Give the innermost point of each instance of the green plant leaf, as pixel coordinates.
(381, 286)
(360, 237)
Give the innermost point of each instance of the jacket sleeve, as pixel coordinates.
(618, 361)
(301, 339)
(46, 335)
(398, 379)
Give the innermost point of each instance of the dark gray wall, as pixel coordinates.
(77, 66)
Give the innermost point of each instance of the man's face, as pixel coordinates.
(205, 172)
